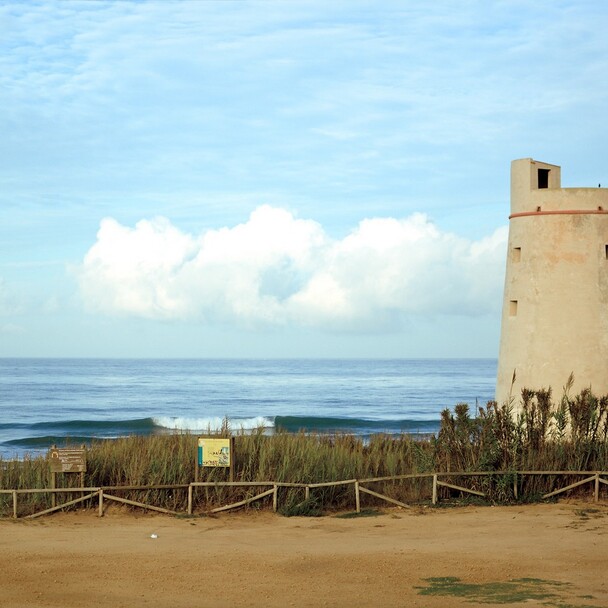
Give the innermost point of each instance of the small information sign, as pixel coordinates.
(214, 451)
(67, 460)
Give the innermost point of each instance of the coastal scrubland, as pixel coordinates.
(542, 434)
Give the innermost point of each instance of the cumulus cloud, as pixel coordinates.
(279, 269)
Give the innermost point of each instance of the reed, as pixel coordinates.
(570, 435)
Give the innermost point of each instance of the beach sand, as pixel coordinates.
(261, 559)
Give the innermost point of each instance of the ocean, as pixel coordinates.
(54, 401)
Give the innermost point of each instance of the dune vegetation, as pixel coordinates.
(540, 435)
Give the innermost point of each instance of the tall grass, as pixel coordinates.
(541, 435)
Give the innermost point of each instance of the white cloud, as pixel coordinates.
(278, 269)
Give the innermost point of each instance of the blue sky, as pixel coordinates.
(279, 179)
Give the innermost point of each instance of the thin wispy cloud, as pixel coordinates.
(126, 89)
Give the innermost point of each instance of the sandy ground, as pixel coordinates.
(262, 559)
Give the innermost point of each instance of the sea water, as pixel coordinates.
(54, 401)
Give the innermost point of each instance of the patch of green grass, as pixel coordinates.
(362, 513)
(305, 508)
(464, 501)
(513, 591)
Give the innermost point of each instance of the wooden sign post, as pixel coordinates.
(66, 460)
(214, 451)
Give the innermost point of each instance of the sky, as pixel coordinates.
(277, 179)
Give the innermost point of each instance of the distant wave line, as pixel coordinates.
(62, 432)
(358, 425)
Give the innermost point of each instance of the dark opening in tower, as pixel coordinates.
(543, 178)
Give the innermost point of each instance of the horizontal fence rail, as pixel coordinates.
(271, 488)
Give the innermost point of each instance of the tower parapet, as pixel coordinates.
(555, 304)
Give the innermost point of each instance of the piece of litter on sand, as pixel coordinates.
(153, 535)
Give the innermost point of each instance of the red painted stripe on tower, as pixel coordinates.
(561, 212)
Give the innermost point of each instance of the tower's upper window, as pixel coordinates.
(543, 178)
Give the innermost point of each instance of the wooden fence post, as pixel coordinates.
(357, 497)
(596, 494)
(15, 504)
(435, 489)
(190, 497)
(275, 498)
(100, 508)
(515, 485)
(232, 459)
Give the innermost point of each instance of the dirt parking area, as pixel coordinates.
(553, 555)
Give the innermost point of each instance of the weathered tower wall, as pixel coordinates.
(555, 306)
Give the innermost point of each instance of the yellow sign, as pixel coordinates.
(214, 452)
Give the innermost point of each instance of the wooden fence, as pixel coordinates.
(109, 493)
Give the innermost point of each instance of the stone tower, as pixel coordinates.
(555, 304)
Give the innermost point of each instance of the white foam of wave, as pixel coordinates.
(215, 423)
